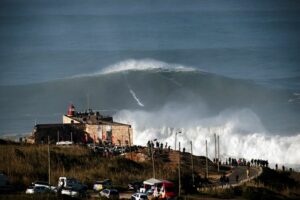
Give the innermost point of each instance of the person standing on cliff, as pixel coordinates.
(237, 178)
(248, 173)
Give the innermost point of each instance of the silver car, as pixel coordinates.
(44, 184)
(37, 189)
(139, 196)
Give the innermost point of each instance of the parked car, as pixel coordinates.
(37, 189)
(30, 190)
(136, 185)
(139, 196)
(100, 185)
(110, 193)
(44, 184)
(65, 182)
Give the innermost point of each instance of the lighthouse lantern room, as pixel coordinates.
(71, 110)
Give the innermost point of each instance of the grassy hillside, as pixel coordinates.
(26, 163)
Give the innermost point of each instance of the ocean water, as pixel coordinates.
(199, 67)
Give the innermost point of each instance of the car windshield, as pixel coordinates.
(40, 188)
(143, 197)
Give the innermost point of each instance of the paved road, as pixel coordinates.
(241, 171)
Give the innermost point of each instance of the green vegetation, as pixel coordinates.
(26, 163)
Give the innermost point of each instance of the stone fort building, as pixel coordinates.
(82, 128)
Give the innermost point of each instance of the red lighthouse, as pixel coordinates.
(71, 110)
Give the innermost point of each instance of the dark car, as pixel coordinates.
(110, 194)
(37, 189)
(100, 185)
(135, 185)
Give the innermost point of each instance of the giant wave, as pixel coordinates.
(160, 98)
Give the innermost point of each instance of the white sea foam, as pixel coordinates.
(241, 133)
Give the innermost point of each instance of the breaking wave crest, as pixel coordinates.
(144, 64)
(241, 133)
(139, 65)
